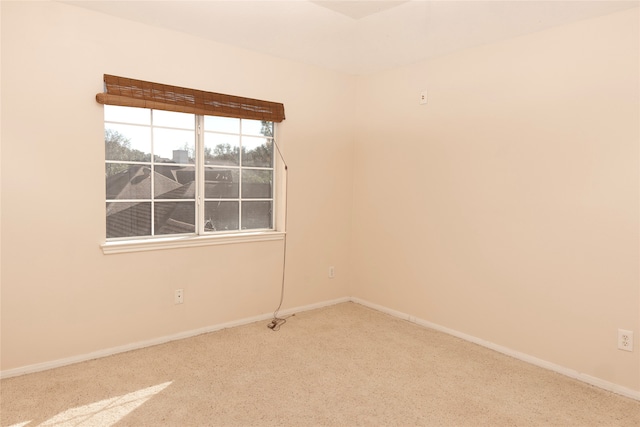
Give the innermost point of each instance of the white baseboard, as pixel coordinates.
(606, 385)
(160, 340)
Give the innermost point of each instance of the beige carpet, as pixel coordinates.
(344, 365)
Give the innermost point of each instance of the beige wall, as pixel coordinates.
(61, 296)
(507, 207)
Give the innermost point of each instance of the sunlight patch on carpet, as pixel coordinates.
(105, 412)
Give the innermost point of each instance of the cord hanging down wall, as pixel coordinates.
(276, 322)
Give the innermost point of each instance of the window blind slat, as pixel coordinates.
(138, 93)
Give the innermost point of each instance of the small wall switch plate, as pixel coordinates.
(625, 340)
(332, 272)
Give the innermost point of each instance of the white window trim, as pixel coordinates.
(160, 243)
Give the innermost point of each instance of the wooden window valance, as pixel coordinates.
(138, 93)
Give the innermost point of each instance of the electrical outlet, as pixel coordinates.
(423, 97)
(179, 296)
(625, 340)
(332, 272)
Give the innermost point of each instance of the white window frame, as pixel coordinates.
(201, 237)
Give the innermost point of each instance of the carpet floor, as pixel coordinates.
(343, 365)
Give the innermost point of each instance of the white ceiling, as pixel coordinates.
(356, 36)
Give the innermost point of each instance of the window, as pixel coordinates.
(172, 173)
(186, 167)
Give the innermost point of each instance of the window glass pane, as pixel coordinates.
(174, 146)
(256, 183)
(221, 149)
(222, 124)
(173, 119)
(128, 181)
(221, 183)
(257, 151)
(128, 143)
(221, 216)
(256, 215)
(257, 127)
(116, 113)
(174, 217)
(128, 219)
(174, 182)
(151, 163)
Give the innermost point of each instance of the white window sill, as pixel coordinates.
(123, 246)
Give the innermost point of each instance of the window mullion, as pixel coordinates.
(274, 182)
(200, 175)
(240, 173)
(153, 173)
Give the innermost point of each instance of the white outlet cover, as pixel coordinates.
(625, 340)
(423, 97)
